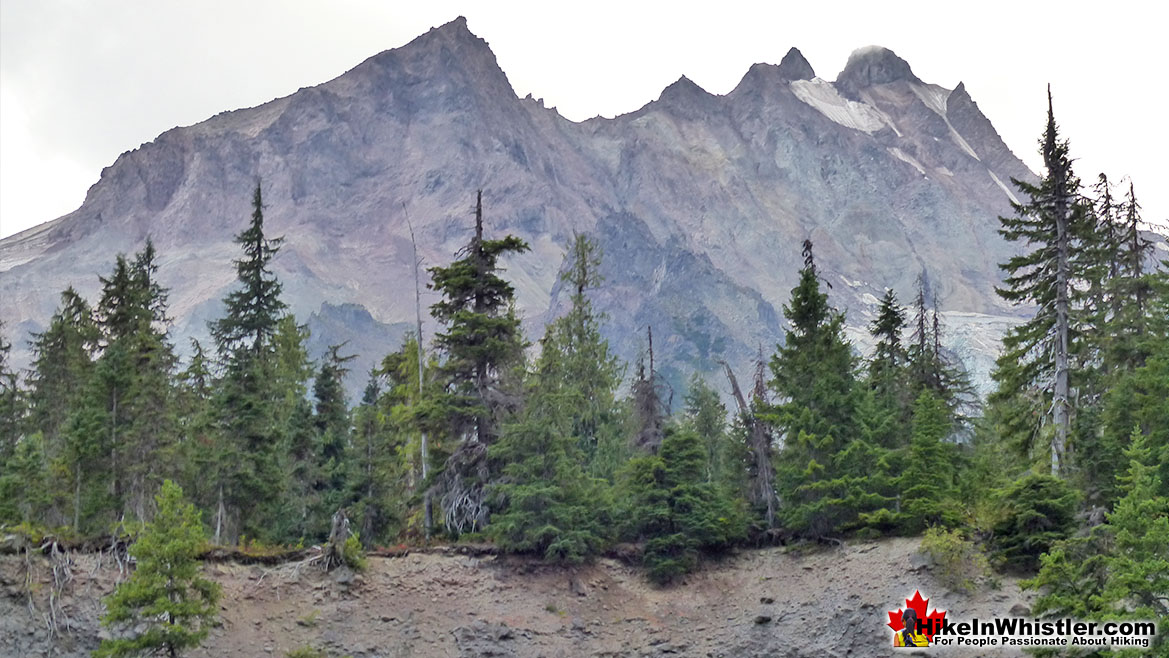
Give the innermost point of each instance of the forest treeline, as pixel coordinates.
(561, 450)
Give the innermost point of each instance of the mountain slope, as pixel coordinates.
(699, 201)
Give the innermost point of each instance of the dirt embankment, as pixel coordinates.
(755, 604)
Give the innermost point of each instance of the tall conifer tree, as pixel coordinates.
(481, 341)
(246, 474)
(1037, 353)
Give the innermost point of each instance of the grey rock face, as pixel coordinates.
(700, 202)
(873, 65)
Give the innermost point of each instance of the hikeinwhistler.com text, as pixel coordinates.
(1023, 632)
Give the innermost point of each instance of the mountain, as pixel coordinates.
(699, 201)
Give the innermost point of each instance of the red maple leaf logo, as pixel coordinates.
(930, 623)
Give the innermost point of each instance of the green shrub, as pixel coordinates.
(960, 563)
(306, 652)
(354, 554)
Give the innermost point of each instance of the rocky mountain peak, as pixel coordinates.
(794, 66)
(959, 93)
(683, 90)
(873, 65)
(449, 46)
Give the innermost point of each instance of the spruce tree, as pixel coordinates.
(295, 459)
(813, 377)
(706, 415)
(12, 402)
(1037, 353)
(333, 427)
(813, 371)
(679, 516)
(481, 341)
(927, 482)
(1132, 291)
(246, 474)
(577, 360)
(547, 503)
(195, 385)
(62, 363)
(165, 607)
(1138, 565)
(929, 367)
(888, 404)
(252, 311)
(378, 469)
(62, 369)
(133, 384)
(1038, 511)
(885, 368)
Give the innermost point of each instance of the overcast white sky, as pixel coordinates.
(82, 81)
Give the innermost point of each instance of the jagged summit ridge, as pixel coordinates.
(699, 201)
(873, 65)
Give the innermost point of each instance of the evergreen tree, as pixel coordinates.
(706, 415)
(481, 341)
(577, 362)
(930, 368)
(1138, 566)
(196, 439)
(1036, 353)
(886, 367)
(813, 371)
(377, 470)
(62, 369)
(396, 481)
(677, 514)
(295, 458)
(813, 376)
(251, 312)
(133, 386)
(547, 502)
(165, 607)
(25, 491)
(927, 482)
(1038, 512)
(1132, 291)
(62, 364)
(246, 473)
(1120, 569)
(333, 422)
(12, 403)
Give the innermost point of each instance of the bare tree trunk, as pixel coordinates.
(338, 534)
(219, 516)
(77, 496)
(1061, 415)
(424, 457)
(762, 492)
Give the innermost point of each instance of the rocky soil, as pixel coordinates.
(771, 603)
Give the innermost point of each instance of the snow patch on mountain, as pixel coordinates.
(1010, 195)
(933, 96)
(822, 96)
(905, 157)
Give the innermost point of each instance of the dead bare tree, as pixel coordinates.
(761, 493)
